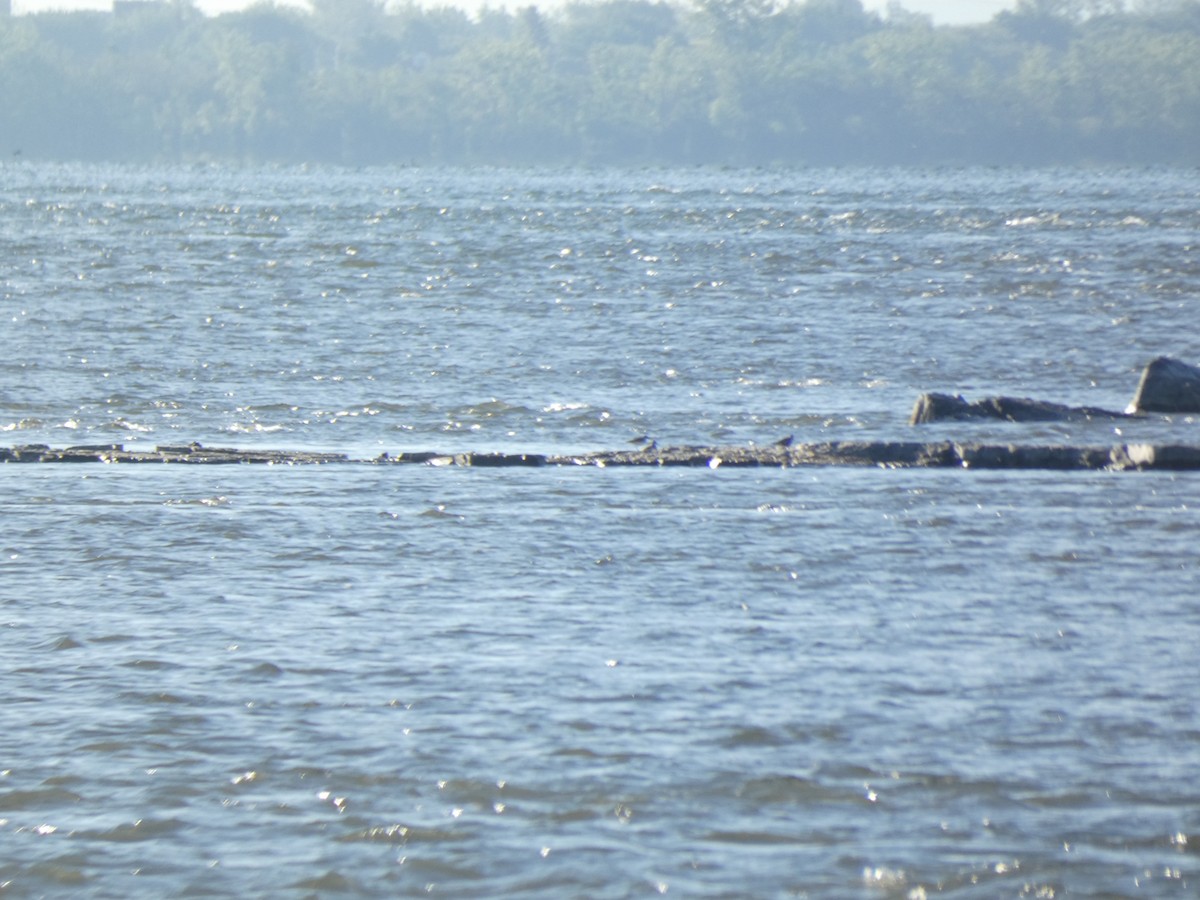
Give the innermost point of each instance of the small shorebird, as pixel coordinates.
(785, 442)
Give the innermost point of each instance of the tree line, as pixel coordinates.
(605, 82)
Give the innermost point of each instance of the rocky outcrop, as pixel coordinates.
(1167, 386)
(954, 408)
(877, 454)
(907, 454)
(884, 454)
(185, 453)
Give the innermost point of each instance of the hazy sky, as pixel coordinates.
(943, 11)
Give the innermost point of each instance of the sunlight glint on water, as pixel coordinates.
(382, 681)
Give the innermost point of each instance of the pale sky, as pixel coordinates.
(944, 12)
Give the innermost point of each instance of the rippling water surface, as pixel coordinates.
(383, 681)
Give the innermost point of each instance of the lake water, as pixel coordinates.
(404, 680)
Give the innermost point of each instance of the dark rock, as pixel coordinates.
(937, 407)
(1015, 456)
(29, 452)
(949, 408)
(1167, 386)
(885, 454)
(77, 454)
(1174, 457)
(497, 460)
(400, 458)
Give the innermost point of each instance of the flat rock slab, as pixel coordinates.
(879, 454)
(185, 453)
(909, 454)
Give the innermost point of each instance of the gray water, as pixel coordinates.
(383, 681)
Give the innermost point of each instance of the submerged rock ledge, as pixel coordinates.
(881, 454)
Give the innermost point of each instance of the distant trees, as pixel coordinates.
(606, 81)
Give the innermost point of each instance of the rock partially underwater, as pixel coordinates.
(1167, 386)
(954, 408)
(878, 454)
(183, 453)
(907, 454)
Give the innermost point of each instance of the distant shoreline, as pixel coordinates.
(631, 83)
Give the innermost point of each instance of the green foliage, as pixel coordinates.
(600, 81)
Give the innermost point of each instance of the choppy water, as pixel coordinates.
(360, 681)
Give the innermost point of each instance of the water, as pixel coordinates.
(383, 681)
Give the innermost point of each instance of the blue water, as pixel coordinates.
(383, 681)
